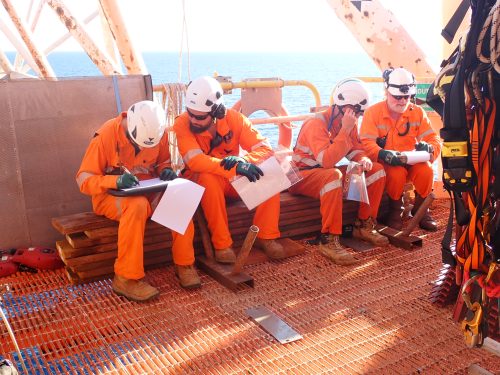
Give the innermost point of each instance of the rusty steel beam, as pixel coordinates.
(40, 60)
(98, 57)
(131, 59)
(382, 36)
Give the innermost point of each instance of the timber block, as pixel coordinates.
(89, 247)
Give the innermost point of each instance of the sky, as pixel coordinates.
(235, 25)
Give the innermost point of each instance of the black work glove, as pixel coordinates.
(167, 175)
(230, 161)
(424, 146)
(126, 180)
(390, 157)
(249, 170)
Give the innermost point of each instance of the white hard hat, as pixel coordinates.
(351, 91)
(205, 94)
(399, 81)
(146, 123)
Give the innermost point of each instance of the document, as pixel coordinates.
(414, 157)
(178, 204)
(273, 181)
(145, 186)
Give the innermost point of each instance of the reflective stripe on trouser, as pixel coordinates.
(325, 185)
(421, 175)
(132, 214)
(213, 203)
(375, 184)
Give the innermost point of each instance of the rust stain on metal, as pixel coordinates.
(369, 40)
(366, 14)
(349, 17)
(419, 60)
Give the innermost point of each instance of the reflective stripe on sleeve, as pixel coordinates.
(82, 177)
(260, 144)
(320, 157)
(369, 136)
(424, 134)
(303, 148)
(191, 154)
(350, 155)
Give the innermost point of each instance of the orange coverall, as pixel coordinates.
(316, 153)
(377, 122)
(109, 149)
(203, 166)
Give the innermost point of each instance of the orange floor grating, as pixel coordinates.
(371, 318)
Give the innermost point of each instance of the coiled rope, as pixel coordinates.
(493, 23)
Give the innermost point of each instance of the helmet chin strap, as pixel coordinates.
(332, 117)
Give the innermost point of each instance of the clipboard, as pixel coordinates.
(145, 186)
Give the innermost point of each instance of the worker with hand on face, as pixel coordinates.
(321, 144)
(209, 138)
(394, 125)
(130, 147)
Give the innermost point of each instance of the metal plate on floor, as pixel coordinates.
(273, 324)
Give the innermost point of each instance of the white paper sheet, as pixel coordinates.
(415, 157)
(178, 204)
(273, 181)
(147, 183)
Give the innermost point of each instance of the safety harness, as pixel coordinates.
(469, 87)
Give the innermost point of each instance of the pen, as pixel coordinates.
(125, 169)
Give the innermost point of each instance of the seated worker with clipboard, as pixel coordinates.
(132, 147)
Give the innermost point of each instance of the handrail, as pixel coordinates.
(263, 84)
(273, 83)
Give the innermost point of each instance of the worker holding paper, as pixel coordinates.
(131, 147)
(209, 138)
(321, 144)
(392, 127)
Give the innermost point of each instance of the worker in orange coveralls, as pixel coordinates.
(126, 149)
(209, 138)
(321, 144)
(394, 125)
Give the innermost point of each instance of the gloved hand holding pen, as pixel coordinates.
(126, 180)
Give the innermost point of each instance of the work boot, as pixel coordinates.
(334, 251)
(134, 290)
(188, 277)
(272, 248)
(225, 255)
(427, 222)
(365, 230)
(394, 218)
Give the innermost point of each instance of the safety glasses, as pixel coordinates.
(197, 117)
(405, 97)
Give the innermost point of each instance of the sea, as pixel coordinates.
(322, 70)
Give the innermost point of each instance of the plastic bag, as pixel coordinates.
(355, 184)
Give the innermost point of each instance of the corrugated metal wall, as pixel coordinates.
(45, 127)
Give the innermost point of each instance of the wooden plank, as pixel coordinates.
(112, 230)
(155, 258)
(86, 261)
(79, 222)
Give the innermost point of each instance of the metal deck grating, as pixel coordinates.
(371, 318)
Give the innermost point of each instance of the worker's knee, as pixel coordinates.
(137, 207)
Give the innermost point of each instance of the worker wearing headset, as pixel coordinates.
(394, 125)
